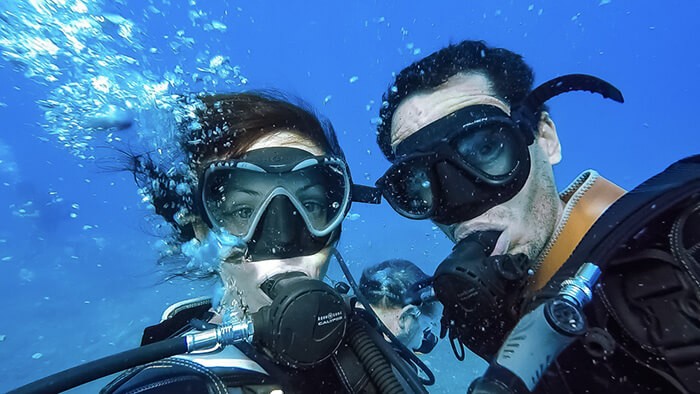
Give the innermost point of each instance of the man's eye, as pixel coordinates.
(489, 148)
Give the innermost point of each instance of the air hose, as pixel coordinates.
(240, 330)
(378, 368)
(88, 372)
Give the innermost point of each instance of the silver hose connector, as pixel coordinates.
(579, 288)
(226, 334)
(234, 332)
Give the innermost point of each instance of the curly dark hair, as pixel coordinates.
(224, 127)
(510, 77)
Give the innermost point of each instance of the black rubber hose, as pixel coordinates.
(399, 363)
(414, 381)
(105, 366)
(372, 359)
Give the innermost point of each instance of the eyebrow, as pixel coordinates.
(311, 185)
(247, 191)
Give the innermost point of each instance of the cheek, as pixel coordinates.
(390, 319)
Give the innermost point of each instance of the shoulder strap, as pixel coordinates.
(176, 320)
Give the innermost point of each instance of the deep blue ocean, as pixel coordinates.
(78, 246)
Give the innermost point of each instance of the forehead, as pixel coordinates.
(423, 108)
(287, 139)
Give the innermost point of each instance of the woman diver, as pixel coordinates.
(263, 194)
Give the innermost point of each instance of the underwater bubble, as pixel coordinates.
(216, 25)
(352, 216)
(354, 79)
(26, 275)
(109, 117)
(376, 121)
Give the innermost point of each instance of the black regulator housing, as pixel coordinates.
(305, 324)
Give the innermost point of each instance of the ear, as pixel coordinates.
(548, 139)
(408, 314)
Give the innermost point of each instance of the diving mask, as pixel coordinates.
(236, 193)
(458, 166)
(473, 159)
(283, 202)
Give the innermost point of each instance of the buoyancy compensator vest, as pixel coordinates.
(644, 319)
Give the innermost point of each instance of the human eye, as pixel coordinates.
(482, 147)
(242, 213)
(314, 207)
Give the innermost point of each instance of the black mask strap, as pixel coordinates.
(366, 194)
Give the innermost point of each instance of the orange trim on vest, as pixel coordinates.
(585, 202)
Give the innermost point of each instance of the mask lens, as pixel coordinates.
(409, 188)
(490, 150)
(232, 198)
(320, 191)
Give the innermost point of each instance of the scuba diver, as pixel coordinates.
(399, 294)
(472, 147)
(259, 203)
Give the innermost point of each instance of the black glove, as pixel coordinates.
(479, 294)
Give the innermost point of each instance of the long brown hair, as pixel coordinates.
(231, 123)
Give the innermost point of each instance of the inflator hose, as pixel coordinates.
(372, 359)
(105, 366)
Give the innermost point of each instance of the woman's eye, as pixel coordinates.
(243, 213)
(312, 207)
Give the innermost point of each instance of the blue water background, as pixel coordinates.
(77, 288)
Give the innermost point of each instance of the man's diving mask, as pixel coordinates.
(283, 202)
(473, 159)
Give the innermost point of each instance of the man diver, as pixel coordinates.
(398, 293)
(472, 148)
